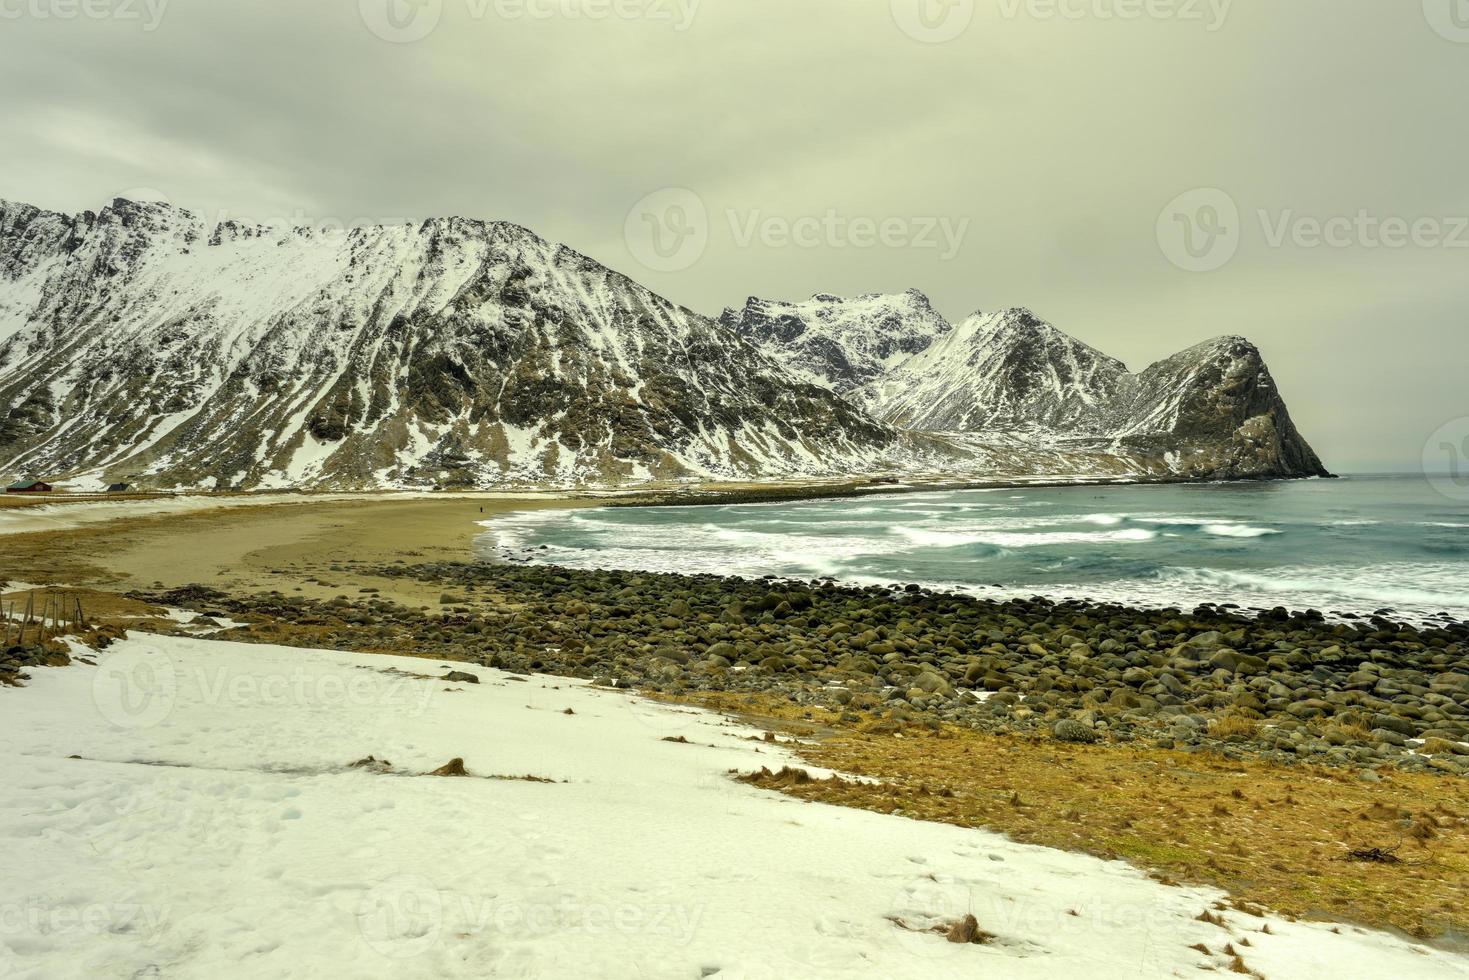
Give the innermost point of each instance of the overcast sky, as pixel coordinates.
(1104, 162)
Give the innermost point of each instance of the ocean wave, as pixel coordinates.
(1238, 531)
(1435, 588)
(1170, 521)
(926, 538)
(1130, 550)
(1023, 539)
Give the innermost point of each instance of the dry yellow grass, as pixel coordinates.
(1270, 835)
(1235, 724)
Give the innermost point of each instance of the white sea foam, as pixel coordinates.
(1237, 531)
(1172, 521)
(1039, 545)
(1132, 535)
(1435, 586)
(926, 538)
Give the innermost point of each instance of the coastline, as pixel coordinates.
(714, 494)
(1057, 723)
(658, 493)
(1039, 688)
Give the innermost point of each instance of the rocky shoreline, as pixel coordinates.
(1285, 687)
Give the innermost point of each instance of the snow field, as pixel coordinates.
(212, 826)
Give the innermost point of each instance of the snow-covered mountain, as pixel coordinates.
(1011, 380)
(846, 345)
(138, 344)
(1004, 371)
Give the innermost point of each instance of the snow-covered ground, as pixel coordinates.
(186, 808)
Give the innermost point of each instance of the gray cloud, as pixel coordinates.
(1058, 139)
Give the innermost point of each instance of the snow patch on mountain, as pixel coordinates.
(1017, 392)
(846, 345)
(144, 346)
(140, 345)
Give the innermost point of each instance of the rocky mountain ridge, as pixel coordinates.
(140, 344)
(1009, 379)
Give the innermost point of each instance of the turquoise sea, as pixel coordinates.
(1353, 546)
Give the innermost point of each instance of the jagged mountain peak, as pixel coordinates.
(1019, 325)
(1008, 370)
(138, 344)
(844, 343)
(836, 308)
(910, 296)
(1224, 343)
(453, 351)
(149, 216)
(1212, 409)
(12, 211)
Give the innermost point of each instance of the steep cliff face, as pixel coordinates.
(141, 345)
(1218, 405)
(1027, 394)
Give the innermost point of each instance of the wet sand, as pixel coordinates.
(275, 546)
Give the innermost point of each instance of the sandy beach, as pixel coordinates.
(251, 544)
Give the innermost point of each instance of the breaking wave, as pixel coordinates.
(1251, 545)
(1237, 531)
